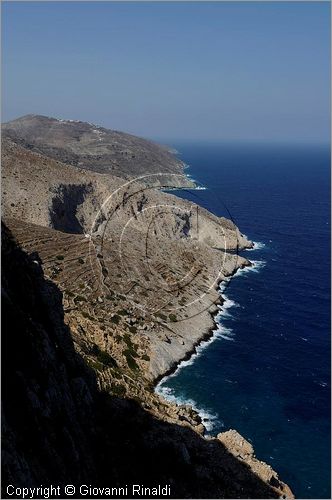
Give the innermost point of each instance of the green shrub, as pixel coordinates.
(131, 347)
(130, 360)
(145, 357)
(60, 257)
(87, 315)
(116, 374)
(118, 390)
(103, 357)
(81, 261)
(95, 364)
(80, 298)
(115, 319)
(172, 317)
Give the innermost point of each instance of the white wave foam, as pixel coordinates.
(223, 285)
(224, 308)
(256, 266)
(221, 332)
(209, 419)
(258, 245)
(199, 186)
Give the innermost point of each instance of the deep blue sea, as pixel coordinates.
(267, 373)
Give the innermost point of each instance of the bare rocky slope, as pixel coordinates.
(59, 428)
(134, 273)
(95, 148)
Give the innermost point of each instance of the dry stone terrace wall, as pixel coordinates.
(137, 272)
(64, 431)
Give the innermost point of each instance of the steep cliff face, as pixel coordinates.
(58, 428)
(47, 390)
(107, 284)
(154, 258)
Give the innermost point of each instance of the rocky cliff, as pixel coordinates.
(123, 282)
(59, 428)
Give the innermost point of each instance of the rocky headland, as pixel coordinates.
(109, 283)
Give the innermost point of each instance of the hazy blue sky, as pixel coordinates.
(226, 71)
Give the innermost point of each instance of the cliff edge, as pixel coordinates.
(108, 283)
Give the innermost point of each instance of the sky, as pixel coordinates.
(210, 71)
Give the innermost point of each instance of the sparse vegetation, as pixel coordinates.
(132, 348)
(118, 390)
(116, 374)
(115, 319)
(95, 365)
(79, 298)
(87, 315)
(103, 357)
(130, 360)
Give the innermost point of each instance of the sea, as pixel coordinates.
(266, 370)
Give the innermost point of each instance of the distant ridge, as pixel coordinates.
(92, 147)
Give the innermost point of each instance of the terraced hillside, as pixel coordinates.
(137, 270)
(164, 255)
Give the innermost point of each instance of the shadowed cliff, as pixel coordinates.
(58, 428)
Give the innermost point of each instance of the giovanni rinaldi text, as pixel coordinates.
(70, 490)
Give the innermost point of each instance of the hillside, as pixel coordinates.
(45, 195)
(95, 148)
(59, 428)
(124, 283)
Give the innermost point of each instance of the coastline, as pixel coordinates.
(207, 338)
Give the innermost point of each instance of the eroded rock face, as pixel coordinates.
(58, 428)
(243, 450)
(124, 285)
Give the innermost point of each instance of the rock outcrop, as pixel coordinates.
(58, 428)
(123, 284)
